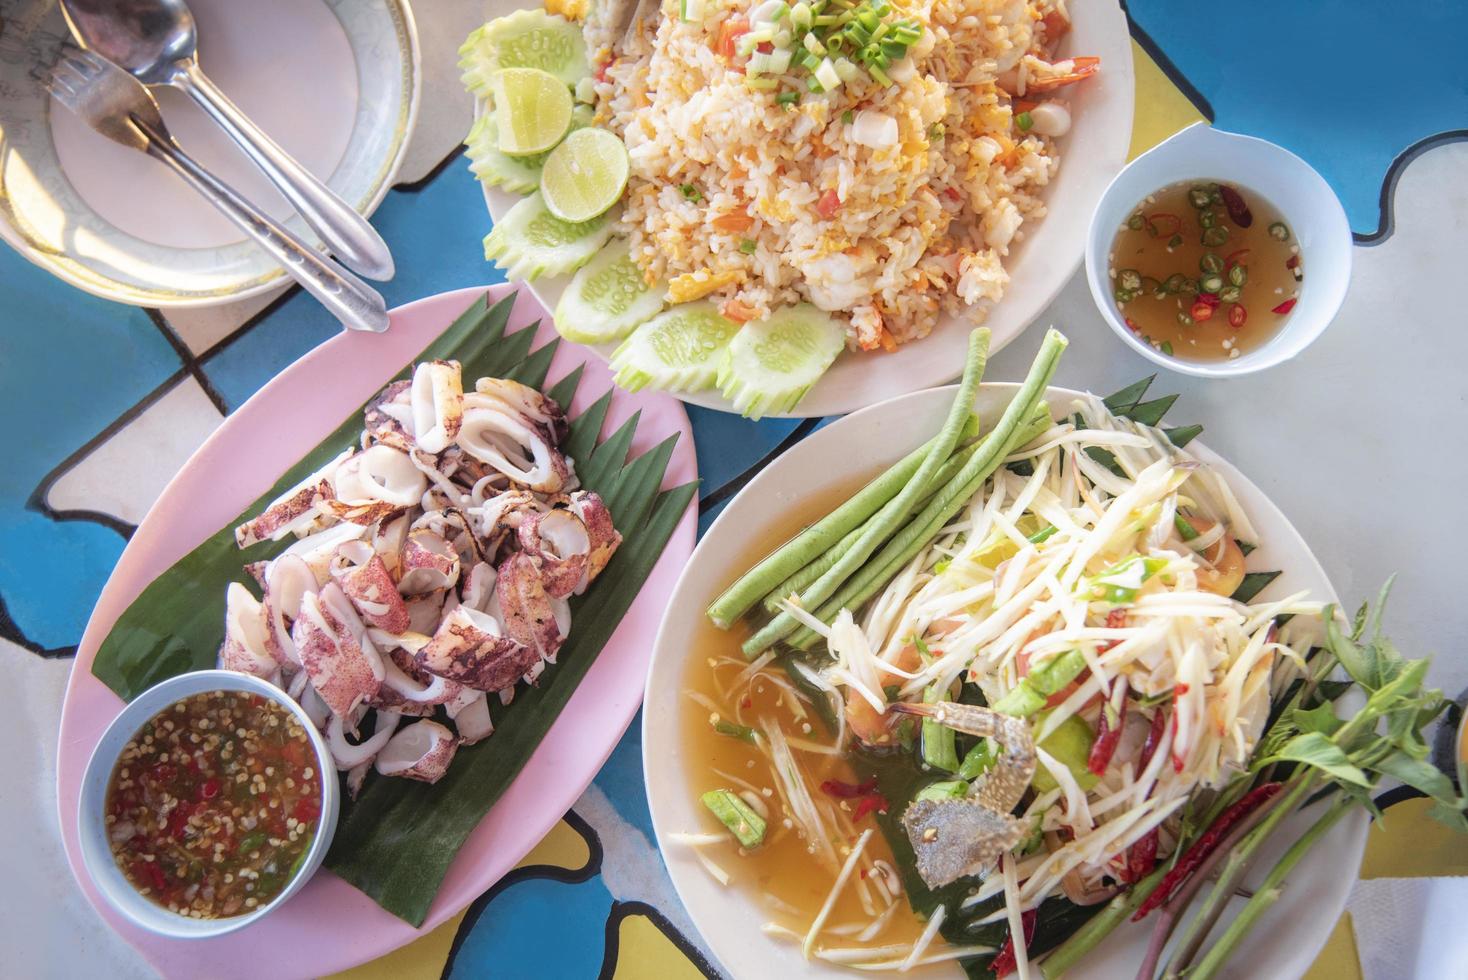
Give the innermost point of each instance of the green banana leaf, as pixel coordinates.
(397, 839)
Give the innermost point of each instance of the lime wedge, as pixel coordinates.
(533, 109)
(585, 175)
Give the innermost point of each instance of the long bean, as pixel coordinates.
(921, 530)
(797, 582)
(893, 511)
(796, 553)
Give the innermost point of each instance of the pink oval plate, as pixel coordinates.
(330, 925)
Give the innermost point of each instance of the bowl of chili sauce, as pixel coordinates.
(209, 801)
(1198, 251)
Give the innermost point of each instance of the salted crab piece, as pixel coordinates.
(471, 647)
(470, 715)
(293, 512)
(422, 751)
(953, 839)
(430, 564)
(529, 616)
(344, 753)
(541, 412)
(246, 636)
(388, 417)
(319, 550)
(363, 576)
(561, 543)
(379, 474)
(604, 538)
(504, 440)
(344, 667)
(437, 397)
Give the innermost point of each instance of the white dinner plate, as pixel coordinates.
(1039, 265)
(841, 455)
(335, 82)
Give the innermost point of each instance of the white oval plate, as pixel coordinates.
(333, 81)
(1090, 156)
(841, 454)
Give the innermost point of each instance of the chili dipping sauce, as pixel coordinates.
(213, 804)
(1205, 271)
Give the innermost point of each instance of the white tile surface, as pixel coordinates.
(126, 473)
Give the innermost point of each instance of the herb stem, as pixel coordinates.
(1268, 893)
(1079, 944)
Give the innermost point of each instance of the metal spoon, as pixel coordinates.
(155, 40)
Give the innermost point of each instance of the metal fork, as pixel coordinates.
(118, 106)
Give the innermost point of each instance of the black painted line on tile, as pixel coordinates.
(10, 630)
(190, 362)
(1171, 70)
(623, 910)
(1386, 224)
(530, 872)
(413, 187)
(729, 489)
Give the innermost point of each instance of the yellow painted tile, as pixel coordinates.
(1410, 844)
(563, 847)
(1339, 959)
(1162, 109)
(422, 959)
(644, 952)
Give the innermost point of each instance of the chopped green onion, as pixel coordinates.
(690, 10)
(800, 16)
(826, 75)
(779, 61)
(848, 117)
(741, 732)
(936, 132)
(761, 84)
(1043, 534)
(879, 74)
(759, 35)
(814, 46)
(1183, 527)
(690, 193)
(848, 72)
(748, 246)
(826, 20)
(783, 39)
(788, 98)
(1279, 232)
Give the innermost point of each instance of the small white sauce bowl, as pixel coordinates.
(1315, 217)
(92, 827)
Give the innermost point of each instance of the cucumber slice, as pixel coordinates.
(529, 241)
(521, 175)
(772, 363)
(608, 298)
(524, 39)
(678, 350)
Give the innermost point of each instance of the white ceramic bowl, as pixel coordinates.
(1309, 205)
(92, 831)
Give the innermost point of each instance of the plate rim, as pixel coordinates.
(819, 404)
(69, 270)
(1354, 827)
(132, 574)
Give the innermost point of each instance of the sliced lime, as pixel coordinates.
(676, 351)
(770, 366)
(585, 175)
(608, 298)
(518, 174)
(533, 109)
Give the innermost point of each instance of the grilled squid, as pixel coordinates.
(344, 668)
(471, 647)
(374, 484)
(470, 715)
(504, 440)
(293, 512)
(437, 401)
(544, 415)
(422, 751)
(560, 542)
(430, 564)
(349, 756)
(531, 617)
(388, 418)
(364, 577)
(246, 635)
(604, 538)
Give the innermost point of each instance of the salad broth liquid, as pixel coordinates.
(781, 866)
(1271, 280)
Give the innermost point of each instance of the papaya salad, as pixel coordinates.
(1040, 659)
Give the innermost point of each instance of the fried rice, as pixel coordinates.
(757, 205)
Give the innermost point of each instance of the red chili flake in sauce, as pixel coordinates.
(1284, 307)
(195, 805)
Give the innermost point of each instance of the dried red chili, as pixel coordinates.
(873, 801)
(1238, 211)
(1141, 857)
(1204, 846)
(848, 791)
(1004, 964)
(1154, 739)
(1108, 731)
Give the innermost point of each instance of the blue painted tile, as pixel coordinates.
(539, 928)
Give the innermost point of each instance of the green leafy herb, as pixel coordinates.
(690, 193)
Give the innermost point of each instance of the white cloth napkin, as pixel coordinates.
(1411, 928)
